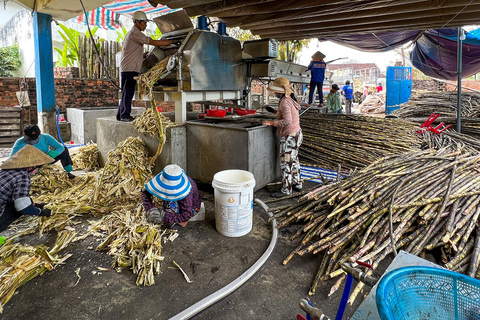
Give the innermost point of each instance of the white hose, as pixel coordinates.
(237, 283)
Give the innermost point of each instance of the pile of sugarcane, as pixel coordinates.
(449, 138)
(147, 123)
(133, 243)
(86, 158)
(351, 141)
(431, 198)
(20, 263)
(442, 103)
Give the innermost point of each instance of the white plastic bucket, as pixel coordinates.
(233, 202)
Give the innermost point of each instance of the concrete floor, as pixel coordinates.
(211, 261)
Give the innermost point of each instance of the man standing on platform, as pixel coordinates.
(131, 62)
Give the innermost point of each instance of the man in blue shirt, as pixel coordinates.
(347, 91)
(47, 144)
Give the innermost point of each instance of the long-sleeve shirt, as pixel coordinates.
(288, 118)
(14, 184)
(333, 102)
(187, 207)
(44, 144)
(318, 70)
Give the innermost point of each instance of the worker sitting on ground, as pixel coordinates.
(131, 62)
(334, 104)
(181, 199)
(15, 185)
(47, 144)
(347, 90)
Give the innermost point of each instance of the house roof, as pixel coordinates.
(355, 66)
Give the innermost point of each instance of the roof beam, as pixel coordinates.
(322, 14)
(331, 34)
(404, 19)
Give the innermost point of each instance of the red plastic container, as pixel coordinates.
(244, 112)
(201, 115)
(216, 113)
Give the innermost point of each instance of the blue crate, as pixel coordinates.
(428, 293)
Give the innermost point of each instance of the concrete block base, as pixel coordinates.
(83, 121)
(111, 132)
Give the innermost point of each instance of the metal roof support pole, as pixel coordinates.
(42, 33)
(459, 80)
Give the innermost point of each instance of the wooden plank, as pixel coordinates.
(10, 115)
(17, 109)
(9, 120)
(4, 127)
(11, 133)
(9, 139)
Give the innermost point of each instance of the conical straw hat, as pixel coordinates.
(26, 157)
(318, 56)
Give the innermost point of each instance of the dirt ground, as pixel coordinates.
(210, 260)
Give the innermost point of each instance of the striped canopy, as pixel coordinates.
(106, 17)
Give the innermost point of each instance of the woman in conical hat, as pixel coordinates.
(288, 128)
(181, 199)
(15, 185)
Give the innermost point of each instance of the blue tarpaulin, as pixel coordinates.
(434, 52)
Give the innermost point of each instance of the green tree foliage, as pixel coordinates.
(294, 47)
(71, 45)
(241, 35)
(9, 60)
(121, 34)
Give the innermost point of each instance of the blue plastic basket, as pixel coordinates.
(428, 293)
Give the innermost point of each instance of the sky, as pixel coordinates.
(334, 51)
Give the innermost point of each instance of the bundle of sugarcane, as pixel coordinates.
(22, 263)
(353, 141)
(147, 123)
(431, 197)
(449, 138)
(133, 242)
(442, 103)
(86, 158)
(374, 103)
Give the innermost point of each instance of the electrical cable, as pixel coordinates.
(96, 49)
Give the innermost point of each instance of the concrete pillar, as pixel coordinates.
(42, 32)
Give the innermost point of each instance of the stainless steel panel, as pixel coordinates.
(215, 62)
(264, 48)
(173, 23)
(215, 147)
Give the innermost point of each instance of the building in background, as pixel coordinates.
(365, 73)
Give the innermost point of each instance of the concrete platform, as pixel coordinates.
(111, 132)
(83, 121)
(210, 260)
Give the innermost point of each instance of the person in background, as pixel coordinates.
(291, 137)
(47, 144)
(131, 62)
(306, 94)
(334, 104)
(181, 199)
(15, 175)
(365, 92)
(317, 67)
(379, 88)
(347, 91)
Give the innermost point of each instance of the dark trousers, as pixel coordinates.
(128, 90)
(9, 215)
(64, 158)
(319, 86)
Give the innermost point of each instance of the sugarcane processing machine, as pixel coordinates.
(212, 68)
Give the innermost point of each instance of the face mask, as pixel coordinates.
(278, 95)
(30, 141)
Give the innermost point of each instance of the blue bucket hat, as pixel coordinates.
(171, 184)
